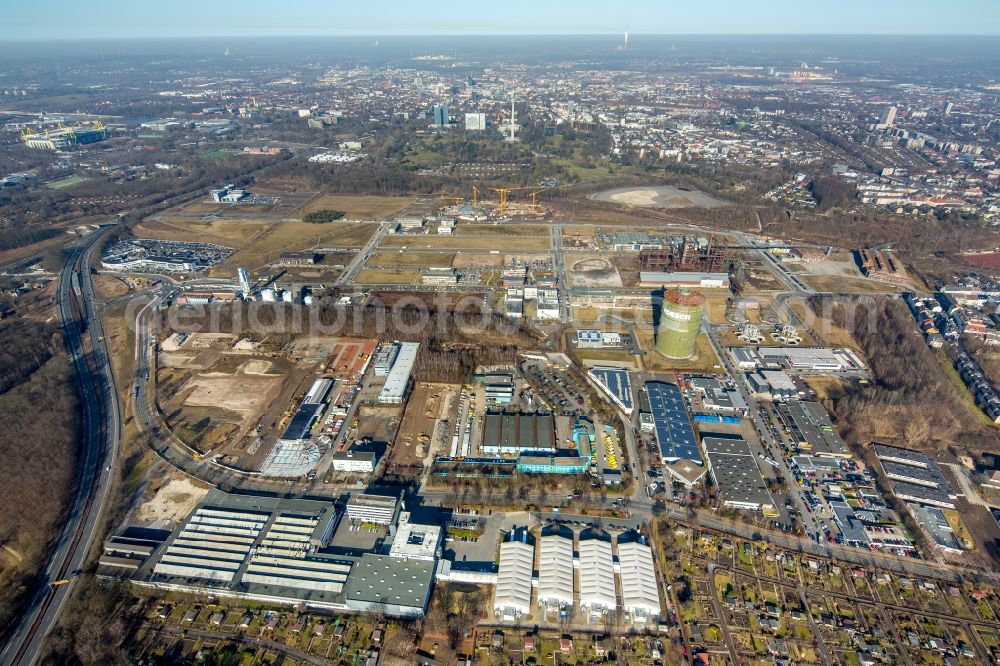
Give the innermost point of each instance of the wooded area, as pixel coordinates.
(911, 400)
(322, 216)
(25, 346)
(39, 426)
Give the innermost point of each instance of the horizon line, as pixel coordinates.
(15, 40)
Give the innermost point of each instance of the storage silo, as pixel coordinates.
(680, 321)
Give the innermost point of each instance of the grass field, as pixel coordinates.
(604, 355)
(502, 230)
(704, 359)
(388, 276)
(203, 207)
(355, 207)
(583, 173)
(715, 306)
(63, 183)
(424, 158)
(589, 315)
(234, 233)
(824, 386)
(824, 328)
(580, 230)
(218, 154)
(293, 237)
(848, 285)
(502, 244)
(419, 259)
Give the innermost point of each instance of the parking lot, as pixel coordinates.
(553, 390)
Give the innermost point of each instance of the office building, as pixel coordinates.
(353, 460)
(888, 116)
(413, 541)
(475, 122)
(439, 276)
(378, 509)
(228, 194)
(439, 113)
(547, 304)
(385, 357)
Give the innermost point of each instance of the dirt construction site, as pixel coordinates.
(425, 429)
(594, 271)
(228, 397)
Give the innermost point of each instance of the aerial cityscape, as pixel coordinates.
(428, 340)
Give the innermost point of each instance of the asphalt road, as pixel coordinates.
(100, 437)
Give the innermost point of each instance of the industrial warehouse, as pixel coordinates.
(734, 469)
(284, 551)
(615, 383)
(513, 433)
(801, 359)
(397, 379)
(915, 477)
(674, 432)
(812, 429)
(561, 553)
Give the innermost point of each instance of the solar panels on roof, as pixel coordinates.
(616, 384)
(673, 428)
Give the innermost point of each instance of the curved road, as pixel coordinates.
(100, 437)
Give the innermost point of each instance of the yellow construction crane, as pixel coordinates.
(534, 199)
(455, 200)
(475, 196)
(505, 198)
(503, 192)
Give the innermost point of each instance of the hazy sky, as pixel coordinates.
(62, 19)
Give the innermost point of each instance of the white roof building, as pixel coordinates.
(398, 379)
(639, 592)
(597, 575)
(555, 570)
(414, 541)
(513, 594)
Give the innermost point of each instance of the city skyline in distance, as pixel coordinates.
(61, 20)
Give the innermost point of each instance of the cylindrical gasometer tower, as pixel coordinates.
(680, 321)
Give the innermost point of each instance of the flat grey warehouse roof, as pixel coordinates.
(380, 579)
(735, 470)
